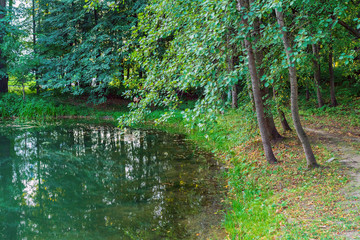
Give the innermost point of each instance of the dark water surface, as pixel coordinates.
(91, 181)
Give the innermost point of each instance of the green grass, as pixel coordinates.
(47, 108)
(273, 201)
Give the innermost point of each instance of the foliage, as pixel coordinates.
(184, 46)
(33, 108)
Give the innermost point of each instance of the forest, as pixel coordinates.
(271, 88)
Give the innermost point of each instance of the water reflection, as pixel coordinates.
(98, 182)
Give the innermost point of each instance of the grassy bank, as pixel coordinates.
(42, 108)
(264, 201)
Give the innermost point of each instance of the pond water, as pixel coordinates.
(93, 181)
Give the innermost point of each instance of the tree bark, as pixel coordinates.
(232, 58)
(317, 74)
(307, 93)
(128, 72)
(234, 95)
(284, 122)
(351, 30)
(269, 118)
(4, 78)
(310, 158)
(270, 157)
(23, 90)
(265, 93)
(270, 126)
(34, 45)
(332, 78)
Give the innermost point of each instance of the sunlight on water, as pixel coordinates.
(87, 181)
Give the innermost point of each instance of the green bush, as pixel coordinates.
(10, 104)
(32, 108)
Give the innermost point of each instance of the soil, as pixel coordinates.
(346, 148)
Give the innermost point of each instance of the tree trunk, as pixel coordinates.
(265, 93)
(251, 95)
(34, 45)
(232, 59)
(332, 78)
(307, 93)
(317, 74)
(234, 94)
(23, 90)
(310, 158)
(270, 123)
(284, 122)
(4, 78)
(140, 73)
(270, 157)
(128, 73)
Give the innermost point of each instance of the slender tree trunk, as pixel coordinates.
(307, 93)
(233, 89)
(4, 78)
(265, 93)
(270, 123)
(317, 74)
(248, 84)
(34, 45)
(96, 17)
(234, 94)
(128, 72)
(284, 122)
(270, 157)
(251, 95)
(140, 73)
(310, 158)
(231, 67)
(332, 78)
(23, 89)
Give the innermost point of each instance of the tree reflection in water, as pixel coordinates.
(99, 182)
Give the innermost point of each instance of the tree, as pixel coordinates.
(4, 78)
(317, 73)
(243, 5)
(264, 86)
(311, 161)
(80, 45)
(332, 77)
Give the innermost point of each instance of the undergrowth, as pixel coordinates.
(41, 108)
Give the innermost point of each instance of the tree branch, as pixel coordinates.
(353, 31)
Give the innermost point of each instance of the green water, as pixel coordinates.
(91, 181)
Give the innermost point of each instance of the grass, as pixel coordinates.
(46, 108)
(285, 200)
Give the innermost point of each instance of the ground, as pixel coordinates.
(345, 146)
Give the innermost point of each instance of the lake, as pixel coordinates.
(72, 180)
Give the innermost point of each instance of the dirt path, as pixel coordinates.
(347, 151)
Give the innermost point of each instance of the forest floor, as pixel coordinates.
(346, 150)
(345, 145)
